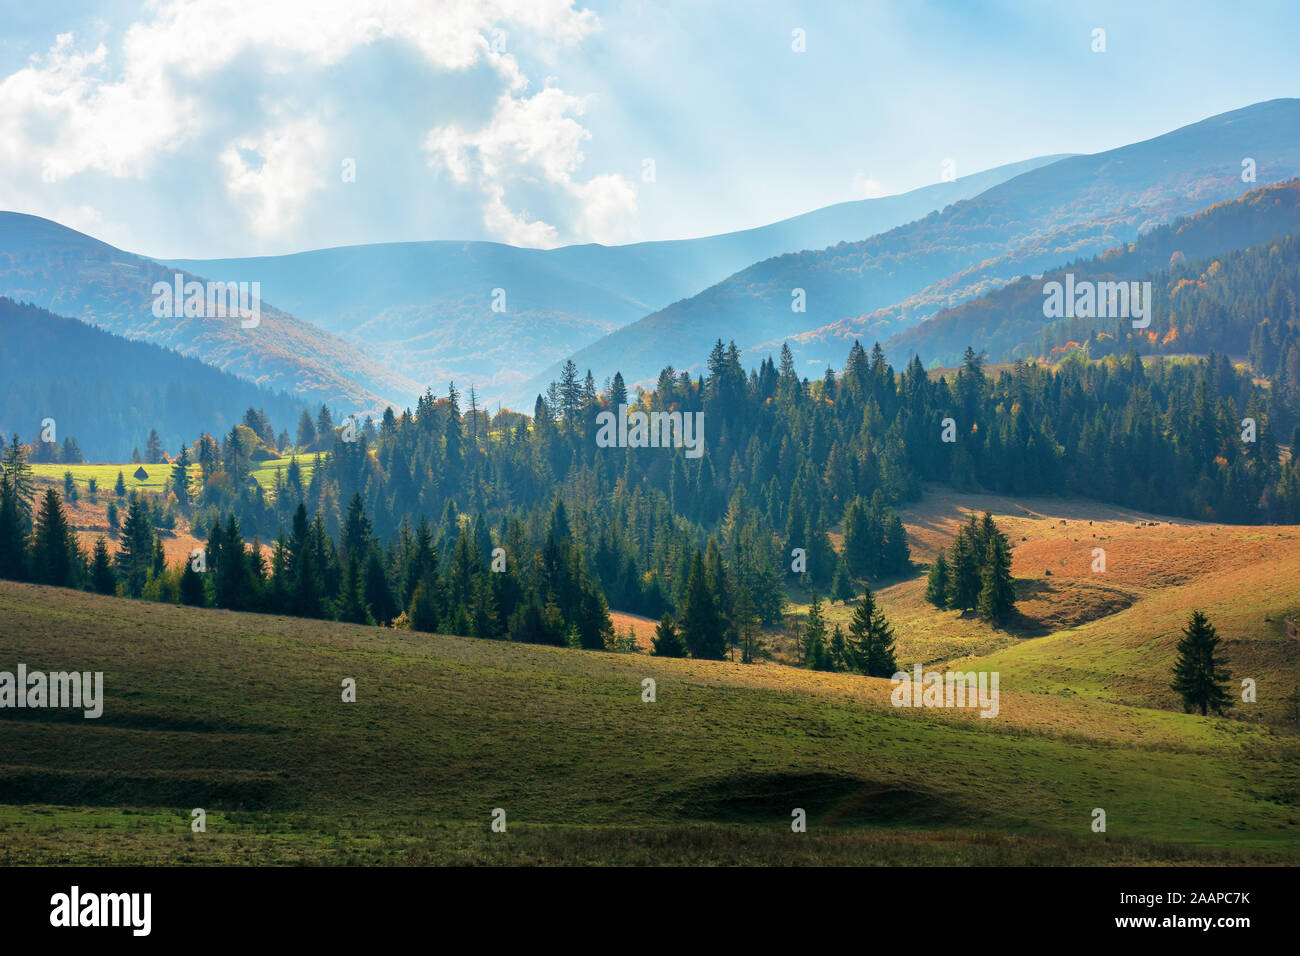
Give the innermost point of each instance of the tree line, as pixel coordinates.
(647, 530)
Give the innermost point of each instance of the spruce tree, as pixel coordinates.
(938, 582)
(19, 473)
(667, 641)
(701, 624)
(305, 571)
(840, 656)
(306, 431)
(997, 593)
(816, 653)
(617, 392)
(842, 586)
(55, 556)
(135, 553)
(872, 639)
(378, 595)
(232, 571)
(13, 533)
(965, 570)
(857, 543)
(423, 610)
(102, 578)
(352, 601)
(896, 556)
(181, 477)
(1201, 676)
(192, 590)
(324, 426)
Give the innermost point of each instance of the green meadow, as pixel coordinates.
(242, 715)
(105, 475)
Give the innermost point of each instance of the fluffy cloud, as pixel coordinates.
(530, 139)
(274, 174)
(59, 116)
(121, 113)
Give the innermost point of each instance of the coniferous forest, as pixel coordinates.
(445, 518)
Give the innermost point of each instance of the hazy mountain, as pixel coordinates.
(108, 392)
(1076, 207)
(74, 275)
(1008, 322)
(425, 308)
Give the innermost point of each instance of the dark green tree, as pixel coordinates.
(816, 652)
(938, 583)
(352, 601)
(181, 477)
(56, 558)
(102, 578)
(192, 590)
(842, 585)
(667, 641)
(701, 624)
(19, 473)
(1201, 677)
(872, 639)
(997, 596)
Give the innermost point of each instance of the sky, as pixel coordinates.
(211, 128)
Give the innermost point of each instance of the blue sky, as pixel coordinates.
(224, 127)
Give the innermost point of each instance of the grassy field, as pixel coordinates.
(89, 516)
(241, 715)
(264, 471)
(105, 475)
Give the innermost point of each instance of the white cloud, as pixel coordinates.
(864, 187)
(607, 208)
(119, 113)
(288, 171)
(59, 115)
(512, 227)
(534, 139)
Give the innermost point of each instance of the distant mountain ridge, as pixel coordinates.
(426, 308)
(108, 392)
(1076, 207)
(77, 276)
(1009, 322)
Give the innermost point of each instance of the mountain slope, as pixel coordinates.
(74, 275)
(1007, 323)
(426, 307)
(1078, 206)
(108, 392)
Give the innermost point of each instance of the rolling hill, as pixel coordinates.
(1007, 322)
(241, 715)
(425, 308)
(1073, 208)
(108, 392)
(72, 274)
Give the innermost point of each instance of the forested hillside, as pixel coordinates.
(1179, 259)
(883, 284)
(72, 274)
(109, 393)
(403, 521)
